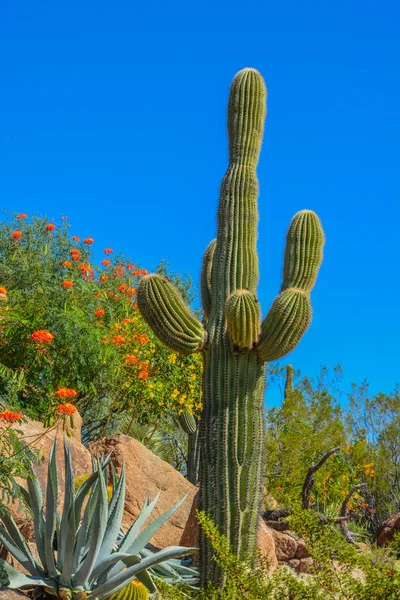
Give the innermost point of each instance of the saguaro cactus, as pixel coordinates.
(190, 426)
(234, 342)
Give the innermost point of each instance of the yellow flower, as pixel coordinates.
(191, 367)
(192, 377)
(175, 393)
(172, 359)
(152, 394)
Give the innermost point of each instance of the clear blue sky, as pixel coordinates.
(113, 113)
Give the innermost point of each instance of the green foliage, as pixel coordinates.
(94, 559)
(101, 347)
(374, 428)
(340, 572)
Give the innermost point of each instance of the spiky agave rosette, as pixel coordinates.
(94, 558)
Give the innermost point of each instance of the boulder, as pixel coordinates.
(266, 545)
(285, 546)
(147, 474)
(386, 531)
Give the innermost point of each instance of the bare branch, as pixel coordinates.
(344, 512)
(310, 480)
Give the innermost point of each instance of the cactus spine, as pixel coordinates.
(134, 591)
(235, 344)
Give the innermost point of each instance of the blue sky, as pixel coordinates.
(114, 114)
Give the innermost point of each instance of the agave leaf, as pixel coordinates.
(25, 496)
(21, 556)
(83, 531)
(96, 533)
(51, 511)
(113, 476)
(84, 489)
(147, 580)
(172, 568)
(68, 513)
(116, 511)
(19, 541)
(134, 529)
(134, 566)
(18, 580)
(36, 503)
(145, 536)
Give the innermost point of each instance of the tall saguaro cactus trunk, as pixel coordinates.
(235, 343)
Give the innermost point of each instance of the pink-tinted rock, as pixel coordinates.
(293, 563)
(266, 544)
(301, 551)
(285, 545)
(306, 565)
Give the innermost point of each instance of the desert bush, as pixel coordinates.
(70, 328)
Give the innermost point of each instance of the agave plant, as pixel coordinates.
(93, 559)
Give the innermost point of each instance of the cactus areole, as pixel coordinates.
(234, 342)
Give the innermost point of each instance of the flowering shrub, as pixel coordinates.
(70, 324)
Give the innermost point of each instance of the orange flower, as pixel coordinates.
(98, 295)
(131, 291)
(143, 365)
(125, 321)
(43, 336)
(67, 263)
(10, 417)
(50, 227)
(130, 359)
(118, 340)
(143, 272)
(134, 305)
(64, 218)
(108, 251)
(21, 216)
(3, 291)
(86, 271)
(67, 284)
(75, 254)
(88, 241)
(103, 278)
(130, 266)
(143, 339)
(122, 288)
(99, 312)
(143, 375)
(76, 238)
(119, 271)
(17, 235)
(67, 409)
(106, 262)
(66, 393)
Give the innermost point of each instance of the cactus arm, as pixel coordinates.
(188, 422)
(285, 324)
(164, 309)
(242, 312)
(290, 314)
(205, 278)
(289, 381)
(304, 251)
